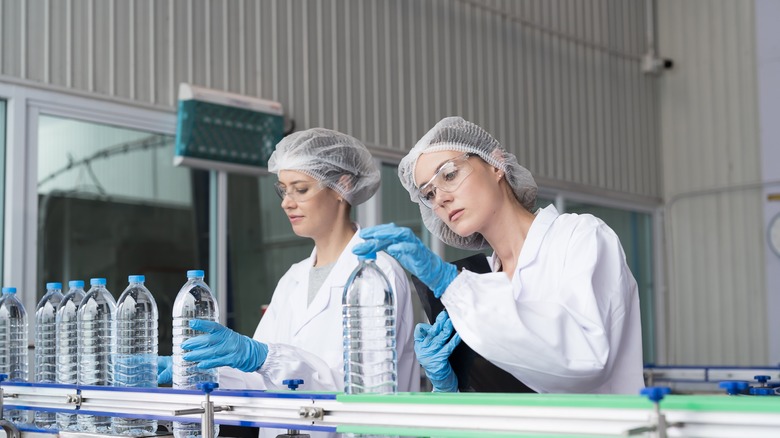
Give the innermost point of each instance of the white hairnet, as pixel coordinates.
(456, 134)
(328, 156)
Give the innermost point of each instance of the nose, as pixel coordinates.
(287, 202)
(440, 198)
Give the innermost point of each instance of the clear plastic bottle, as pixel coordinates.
(194, 301)
(13, 345)
(96, 326)
(67, 346)
(135, 359)
(46, 345)
(368, 308)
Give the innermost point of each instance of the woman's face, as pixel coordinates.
(467, 204)
(311, 208)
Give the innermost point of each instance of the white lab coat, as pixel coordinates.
(305, 341)
(568, 321)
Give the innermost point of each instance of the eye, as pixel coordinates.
(302, 190)
(450, 174)
(429, 195)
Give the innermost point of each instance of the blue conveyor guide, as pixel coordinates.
(423, 414)
(705, 379)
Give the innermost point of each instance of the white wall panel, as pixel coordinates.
(558, 81)
(711, 181)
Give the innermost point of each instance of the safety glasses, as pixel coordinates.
(298, 192)
(447, 178)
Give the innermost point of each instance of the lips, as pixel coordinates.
(294, 219)
(455, 214)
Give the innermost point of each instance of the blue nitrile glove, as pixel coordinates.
(433, 347)
(223, 347)
(164, 370)
(404, 246)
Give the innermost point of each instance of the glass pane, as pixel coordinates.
(542, 202)
(635, 231)
(262, 247)
(111, 204)
(452, 254)
(396, 205)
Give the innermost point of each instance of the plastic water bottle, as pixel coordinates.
(13, 345)
(368, 308)
(135, 360)
(194, 301)
(67, 346)
(96, 339)
(46, 345)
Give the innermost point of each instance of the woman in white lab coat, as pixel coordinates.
(322, 174)
(560, 309)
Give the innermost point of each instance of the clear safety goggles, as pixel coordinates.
(447, 178)
(298, 192)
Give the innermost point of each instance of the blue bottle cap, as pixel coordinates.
(369, 256)
(136, 278)
(97, 281)
(76, 283)
(9, 290)
(195, 273)
(53, 285)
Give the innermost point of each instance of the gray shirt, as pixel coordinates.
(317, 276)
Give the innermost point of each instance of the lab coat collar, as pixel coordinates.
(533, 241)
(337, 277)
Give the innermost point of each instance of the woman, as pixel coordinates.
(560, 309)
(322, 174)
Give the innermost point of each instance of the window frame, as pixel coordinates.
(23, 108)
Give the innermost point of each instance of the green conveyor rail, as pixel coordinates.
(439, 433)
(699, 403)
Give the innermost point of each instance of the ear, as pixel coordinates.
(498, 173)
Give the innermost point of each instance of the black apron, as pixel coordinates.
(474, 372)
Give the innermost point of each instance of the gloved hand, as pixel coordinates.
(404, 246)
(223, 347)
(164, 370)
(433, 347)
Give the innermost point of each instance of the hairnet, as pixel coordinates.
(456, 134)
(328, 156)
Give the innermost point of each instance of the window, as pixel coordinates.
(261, 248)
(635, 231)
(111, 204)
(396, 205)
